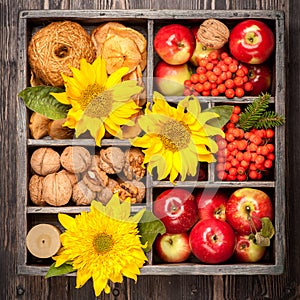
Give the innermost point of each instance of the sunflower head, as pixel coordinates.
(99, 102)
(177, 138)
(102, 244)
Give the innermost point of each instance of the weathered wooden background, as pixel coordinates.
(12, 286)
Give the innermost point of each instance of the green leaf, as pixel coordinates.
(38, 99)
(61, 270)
(224, 111)
(263, 237)
(149, 227)
(267, 229)
(260, 240)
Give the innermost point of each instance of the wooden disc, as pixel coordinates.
(43, 240)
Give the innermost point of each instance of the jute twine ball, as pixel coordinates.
(56, 47)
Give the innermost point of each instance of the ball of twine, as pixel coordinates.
(56, 47)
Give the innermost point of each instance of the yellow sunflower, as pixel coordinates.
(102, 244)
(177, 138)
(99, 102)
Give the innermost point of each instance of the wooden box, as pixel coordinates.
(148, 22)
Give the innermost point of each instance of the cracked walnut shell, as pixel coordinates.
(45, 161)
(213, 34)
(57, 189)
(134, 189)
(82, 195)
(133, 167)
(75, 159)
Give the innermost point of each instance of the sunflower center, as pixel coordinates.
(175, 136)
(87, 95)
(103, 243)
(102, 105)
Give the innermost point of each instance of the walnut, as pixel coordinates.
(35, 190)
(57, 131)
(134, 189)
(74, 178)
(75, 159)
(213, 34)
(45, 161)
(57, 189)
(82, 195)
(38, 125)
(95, 179)
(133, 168)
(112, 160)
(105, 194)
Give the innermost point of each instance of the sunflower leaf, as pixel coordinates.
(224, 112)
(38, 99)
(61, 270)
(149, 227)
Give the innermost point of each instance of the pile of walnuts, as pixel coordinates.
(79, 176)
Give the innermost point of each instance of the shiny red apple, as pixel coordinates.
(177, 209)
(247, 250)
(169, 79)
(212, 241)
(174, 44)
(245, 208)
(261, 77)
(251, 41)
(200, 51)
(173, 248)
(211, 204)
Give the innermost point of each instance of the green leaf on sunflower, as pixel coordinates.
(61, 270)
(38, 99)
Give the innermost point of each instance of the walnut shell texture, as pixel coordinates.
(213, 34)
(57, 189)
(36, 189)
(45, 161)
(75, 159)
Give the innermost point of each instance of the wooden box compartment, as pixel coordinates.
(148, 23)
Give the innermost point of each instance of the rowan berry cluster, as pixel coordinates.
(218, 74)
(244, 155)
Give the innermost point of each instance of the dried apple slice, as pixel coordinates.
(120, 52)
(100, 34)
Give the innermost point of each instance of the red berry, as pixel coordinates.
(253, 174)
(239, 92)
(194, 78)
(201, 70)
(221, 88)
(236, 110)
(229, 83)
(248, 86)
(229, 93)
(234, 119)
(268, 163)
(270, 133)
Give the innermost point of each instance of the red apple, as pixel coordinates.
(251, 41)
(211, 204)
(245, 208)
(177, 209)
(260, 76)
(170, 79)
(174, 44)
(212, 241)
(173, 248)
(246, 250)
(200, 51)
